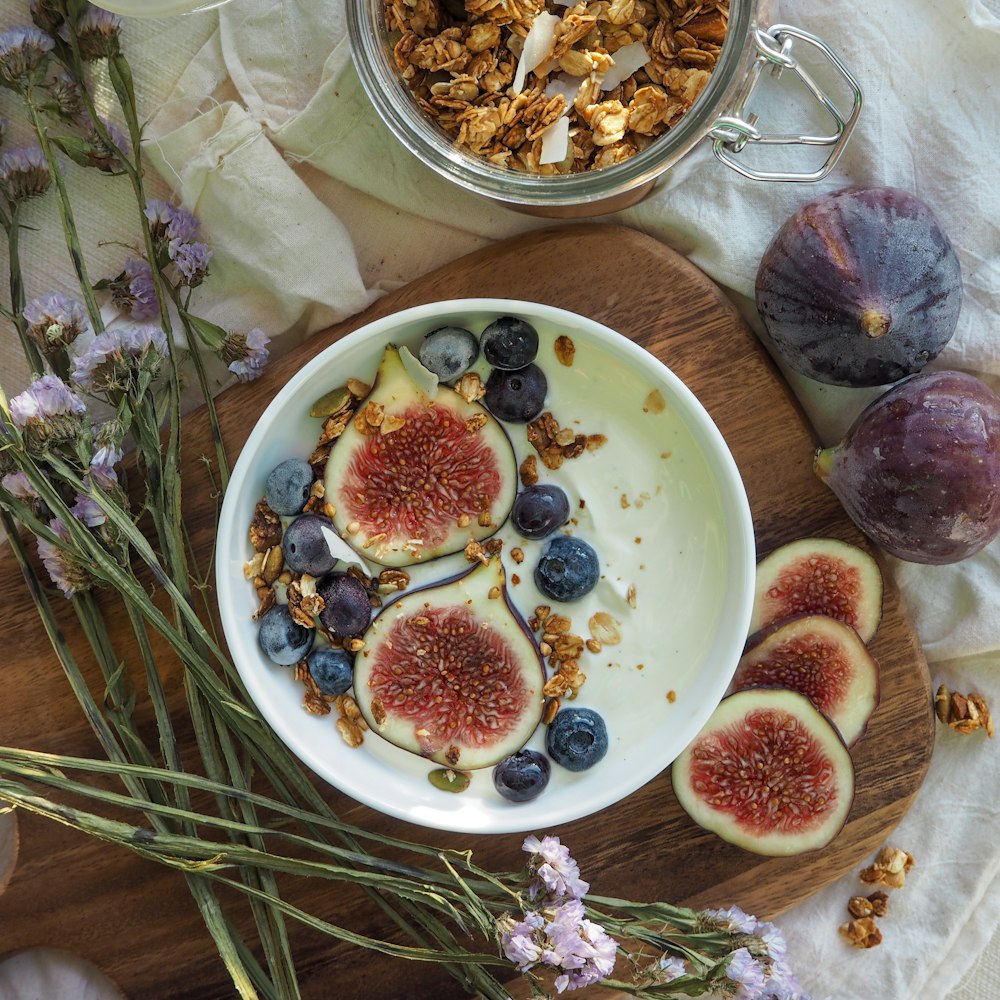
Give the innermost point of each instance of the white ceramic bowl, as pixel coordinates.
(665, 508)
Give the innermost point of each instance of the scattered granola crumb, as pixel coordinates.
(517, 554)
(605, 628)
(875, 905)
(861, 933)
(565, 350)
(963, 713)
(528, 471)
(654, 402)
(630, 595)
(474, 552)
(514, 580)
(665, 454)
(671, 696)
(265, 527)
(890, 868)
(624, 502)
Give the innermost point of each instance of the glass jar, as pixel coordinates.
(719, 116)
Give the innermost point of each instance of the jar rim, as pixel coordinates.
(395, 105)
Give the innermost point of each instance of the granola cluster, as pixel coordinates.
(965, 713)
(461, 63)
(890, 868)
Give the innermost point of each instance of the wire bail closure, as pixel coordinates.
(731, 133)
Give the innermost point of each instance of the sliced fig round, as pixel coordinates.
(860, 287)
(919, 470)
(819, 576)
(768, 773)
(822, 658)
(452, 673)
(418, 473)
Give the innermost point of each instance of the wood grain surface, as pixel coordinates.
(136, 920)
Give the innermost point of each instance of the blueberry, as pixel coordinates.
(539, 509)
(509, 343)
(347, 609)
(332, 669)
(522, 775)
(517, 396)
(568, 569)
(288, 486)
(449, 351)
(577, 738)
(283, 639)
(305, 547)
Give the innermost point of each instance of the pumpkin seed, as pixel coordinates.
(330, 402)
(448, 780)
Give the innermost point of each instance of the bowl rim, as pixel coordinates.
(741, 551)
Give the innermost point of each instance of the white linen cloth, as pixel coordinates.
(313, 209)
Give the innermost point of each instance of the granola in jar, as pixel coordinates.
(549, 88)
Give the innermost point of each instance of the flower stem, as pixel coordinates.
(66, 215)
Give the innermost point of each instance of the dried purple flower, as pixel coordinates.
(48, 412)
(24, 173)
(21, 52)
(117, 357)
(88, 511)
(730, 919)
(98, 33)
(562, 938)
(66, 94)
(19, 486)
(246, 355)
(557, 875)
(748, 974)
(670, 968)
(54, 322)
(68, 573)
(46, 14)
(107, 155)
(133, 290)
(169, 223)
(191, 260)
(102, 467)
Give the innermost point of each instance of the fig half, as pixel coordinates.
(818, 576)
(452, 673)
(768, 773)
(418, 475)
(919, 470)
(821, 658)
(860, 287)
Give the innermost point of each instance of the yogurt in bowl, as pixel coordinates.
(652, 489)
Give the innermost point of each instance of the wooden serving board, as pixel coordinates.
(136, 920)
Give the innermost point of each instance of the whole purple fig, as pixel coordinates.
(860, 288)
(919, 470)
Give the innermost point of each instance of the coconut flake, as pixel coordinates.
(425, 379)
(627, 60)
(554, 141)
(538, 44)
(565, 86)
(339, 549)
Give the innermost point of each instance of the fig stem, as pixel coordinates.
(823, 463)
(875, 323)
